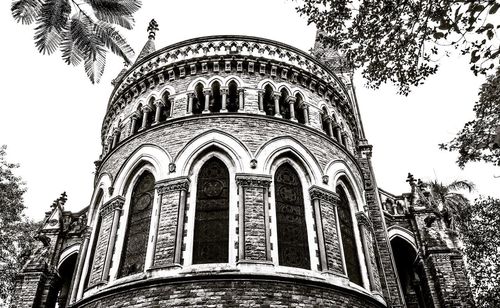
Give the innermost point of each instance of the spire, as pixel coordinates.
(330, 56)
(149, 47)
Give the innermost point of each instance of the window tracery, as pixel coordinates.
(293, 248)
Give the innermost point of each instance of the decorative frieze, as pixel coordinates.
(320, 193)
(115, 203)
(176, 184)
(253, 180)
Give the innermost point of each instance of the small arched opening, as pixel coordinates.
(65, 271)
(299, 109)
(215, 103)
(284, 104)
(198, 99)
(167, 107)
(268, 100)
(232, 99)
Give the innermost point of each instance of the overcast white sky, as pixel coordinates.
(50, 114)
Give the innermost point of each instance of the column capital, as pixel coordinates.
(291, 99)
(253, 180)
(87, 232)
(320, 193)
(363, 220)
(159, 103)
(135, 115)
(174, 184)
(224, 90)
(115, 203)
(276, 94)
(207, 91)
(146, 108)
(240, 90)
(190, 94)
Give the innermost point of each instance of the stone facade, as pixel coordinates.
(253, 106)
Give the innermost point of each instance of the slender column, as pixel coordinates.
(224, 99)
(261, 101)
(159, 106)
(330, 127)
(145, 113)
(338, 133)
(114, 205)
(344, 139)
(254, 244)
(168, 239)
(81, 262)
(207, 101)
(366, 231)
(291, 102)
(133, 124)
(116, 133)
(276, 97)
(324, 205)
(241, 105)
(305, 109)
(190, 103)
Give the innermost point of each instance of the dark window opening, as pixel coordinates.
(167, 107)
(211, 226)
(232, 99)
(269, 100)
(139, 219)
(215, 103)
(198, 99)
(293, 248)
(299, 109)
(284, 104)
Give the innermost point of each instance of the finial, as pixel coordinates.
(152, 28)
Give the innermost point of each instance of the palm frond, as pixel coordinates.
(462, 185)
(118, 12)
(71, 52)
(51, 22)
(113, 40)
(26, 11)
(94, 66)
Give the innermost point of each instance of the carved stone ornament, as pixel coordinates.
(317, 192)
(325, 178)
(364, 220)
(175, 184)
(114, 204)
(253, 180)
(171, 167)
(253, 163)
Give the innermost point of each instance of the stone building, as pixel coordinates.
(235, 173)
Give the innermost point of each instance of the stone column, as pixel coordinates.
(254, 242)
(115, 205)
(224, 92)
(325, 214)
(291, 102)
(276, 98)
(207, 101)
(133, 123)
(344, 139)
(366, 234)
(116, 134)
(338, 133)
(260, 93)
(241, 105)
(82, 255)
(190, 103)
(305, 109)
(145, 113)
(159, 106)
(170, 222)
(330, 127)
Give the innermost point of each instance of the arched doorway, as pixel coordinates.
(65, 270)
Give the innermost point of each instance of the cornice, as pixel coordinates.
(175, 184)
(115, 203)
(321, 193)
(253, 180)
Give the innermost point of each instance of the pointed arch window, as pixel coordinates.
(215, 103)
(293, 248)
(299, 109)
(232, 100)
(139, 220)
(325, 120)
(269, 100)
(284, 105)
(211, 226)
(348, 240)
(198, 99)
(167, 109)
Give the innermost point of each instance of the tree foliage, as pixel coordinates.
(16, 231)
(480, 227)
(475, 141)
(401, 41)
(83, 30)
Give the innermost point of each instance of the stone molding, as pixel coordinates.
(253, 180)
(320, 193)
(363, 220)
(175, 184)
(115, 203)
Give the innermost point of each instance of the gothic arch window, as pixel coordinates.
(138, 121)
(299, 109)
(65, 271)
(211, 225)
(232, 99)
(284, 104)
(97, 233)
(167, 109)
(268, 100)
(215, 103)
(139, 220)
(152, 112)
(349, 245)
(293, 248)
(198, 99)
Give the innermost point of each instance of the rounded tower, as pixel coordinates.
(229, 176)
